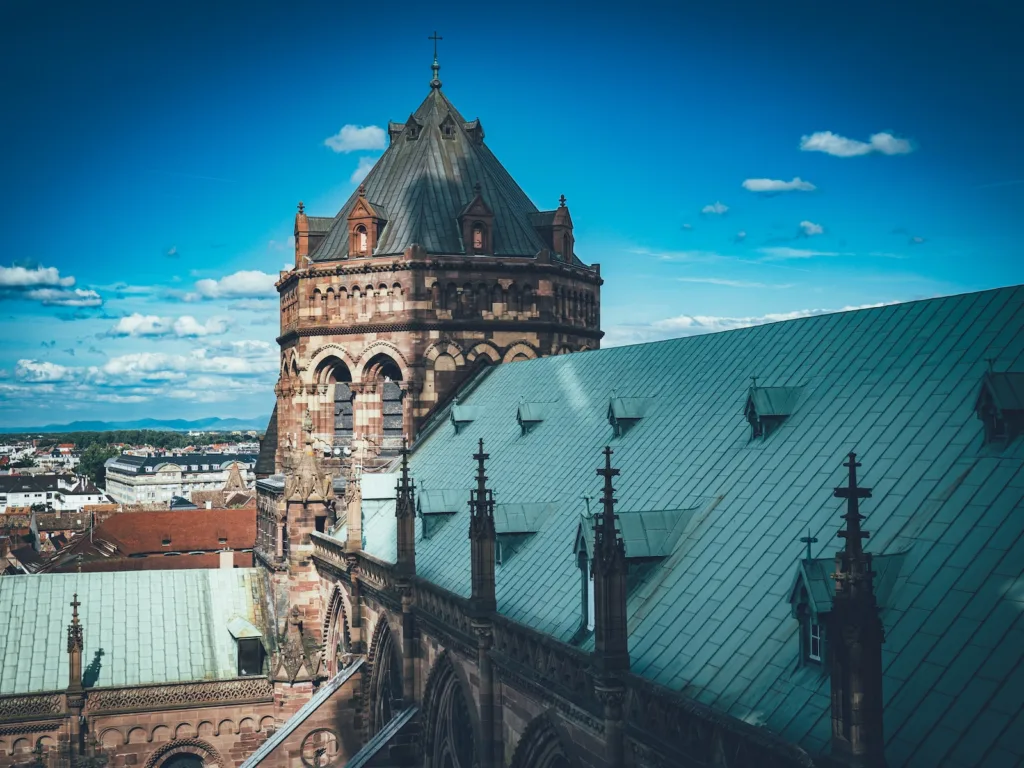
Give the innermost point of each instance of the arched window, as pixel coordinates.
(385, 679)
(448, 741)
(361, 239)
(565, 246)
(478, 237)
(183, 760)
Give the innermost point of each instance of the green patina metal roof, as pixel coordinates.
(628, 408)
(140, 627)
(644, 534)
(521, 518)
(442, 501)
(817, 577)
(774, 401)
(1007, 390)
(896, 384)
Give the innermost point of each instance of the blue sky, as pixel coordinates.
(726, 163)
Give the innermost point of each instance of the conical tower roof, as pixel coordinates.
(425, 179)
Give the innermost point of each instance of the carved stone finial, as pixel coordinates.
(302, 207)
(74, 628)
(853, 494)
(808, 540)
(477, 189)
(362, 190)
(610, 571)
(561, 201)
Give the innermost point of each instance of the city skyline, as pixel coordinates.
(722, 173)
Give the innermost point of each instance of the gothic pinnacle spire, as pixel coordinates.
(435, 81)
(853, 494)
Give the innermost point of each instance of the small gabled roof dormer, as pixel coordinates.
(449, 128)
(768, 407)
(436, 507)
(477, 223)
(463, 415)
(555, 229)
(648, 535)
(515, 523)
(1000, 405)
(394, 130)
(366, 221)
(529, 415)
(412, 128)
(475, 130)
(625, 412)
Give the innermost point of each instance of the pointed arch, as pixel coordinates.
(542, 746)
(451, 722)
(483, 352)
(383, 682)
(337, 640)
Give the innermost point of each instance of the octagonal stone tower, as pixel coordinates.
(437, 264)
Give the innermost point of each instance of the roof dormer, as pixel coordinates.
(768, 407)
(365, 223)
(529, 415)
(436, 506)
(394, 130)
(477, 224)
(464, 415)
(412, 128)
(475, 130)
(449, 128)
(1000, 406)
(626, 412)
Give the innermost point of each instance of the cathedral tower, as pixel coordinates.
(438, 263)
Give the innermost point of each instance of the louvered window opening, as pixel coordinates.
(342, 414)
(391, 413)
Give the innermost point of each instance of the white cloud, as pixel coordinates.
(158, 366)
(717, 208)
(352, 138)
(840, 146)
(783, 253)
(172, 252)
(695, 325)
(731, 283)
(140, 326)
(687, 226)
(63, 297)
(364, 167)
(741, 236)
(20, 277)
(40, 371)
(694, 257)
(777, 185)
(916, 240)
(245, 284)
(810, 228)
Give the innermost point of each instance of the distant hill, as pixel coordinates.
(212, 424)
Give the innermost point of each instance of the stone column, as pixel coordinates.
(484, 631)
(612, 693)
(408, 645)
(356, 619)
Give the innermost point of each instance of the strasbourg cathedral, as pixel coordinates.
(484, 542)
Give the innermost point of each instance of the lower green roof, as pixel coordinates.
(140, 627)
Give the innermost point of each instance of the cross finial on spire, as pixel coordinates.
(481, 457)
(753, 382)
(74, 608)
(435, 67)
(853, 494)
(808, 540)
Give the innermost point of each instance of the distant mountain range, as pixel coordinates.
(212, 424)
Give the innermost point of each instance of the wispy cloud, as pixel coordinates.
(692, 257)
(740, 236)
(839, 146)
(776, 185)
(172, 252)
(783, 253)
(695, 325)
(809, 228)
(364, 167)
(717, 208)
(1010, 183)
(355, 138)
(732, 283)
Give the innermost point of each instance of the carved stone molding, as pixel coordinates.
(23, 707)
(36, 727)
(207, 752)
(249, 690)
(443, 326)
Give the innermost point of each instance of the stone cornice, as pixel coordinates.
(449, 326)
(142, 698)
(523, 265)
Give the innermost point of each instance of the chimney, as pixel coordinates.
(301, 233)
(209, 504)
(227, 559)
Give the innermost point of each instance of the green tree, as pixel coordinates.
(92, 460)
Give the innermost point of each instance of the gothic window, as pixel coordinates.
(448, 128)
(565, 247)
(361, 239)
(449, 741)
(478, 237)
(385, 680)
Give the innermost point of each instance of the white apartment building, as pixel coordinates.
(155, 479)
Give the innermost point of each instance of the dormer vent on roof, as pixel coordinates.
(515, 523)
(529, 415)
(1000, 406)
(626, 412)
(464, 415)
(436, 507)
(649, 535)
(394, 130)
(475, 130)
(477, 223)
(768, 407)
(413, 128)
(449, 128)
